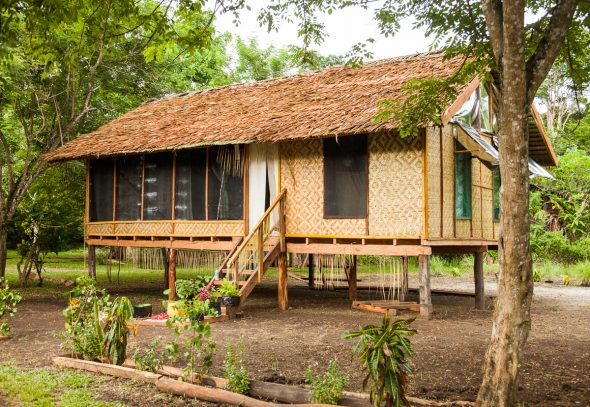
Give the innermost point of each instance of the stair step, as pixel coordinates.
(241, 283)
(246, 272)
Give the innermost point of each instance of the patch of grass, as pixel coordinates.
(43, 387)
(579, 273)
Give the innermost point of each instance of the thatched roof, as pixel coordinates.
(337, 101)
(333, 102)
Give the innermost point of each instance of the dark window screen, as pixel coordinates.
(345, 177)
(189, 194)
(157, 187)
(496, 192)
(462, 182)
(128, 188)
(226, 184)
(101, 190)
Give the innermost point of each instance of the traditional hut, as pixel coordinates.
(299, 165)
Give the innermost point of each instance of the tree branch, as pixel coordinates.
(539, 64)
(493, 11)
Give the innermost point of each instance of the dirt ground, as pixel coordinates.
(280, 346)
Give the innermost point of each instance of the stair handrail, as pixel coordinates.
(254, 230)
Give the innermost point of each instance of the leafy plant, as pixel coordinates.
(189, 289)
(88, 331)
(327, 388)
(228, 289)
(536, 276)
(199, 349)
(8, 302)
(383, 351)
(235, 371)
(153, 358)
(119, 322)
(83, 334)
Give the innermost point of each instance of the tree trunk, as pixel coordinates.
(3, 250)
(515, 288)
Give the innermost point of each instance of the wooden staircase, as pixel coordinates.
(246, 265)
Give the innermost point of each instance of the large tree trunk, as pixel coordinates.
(515, 287)
(3, 249)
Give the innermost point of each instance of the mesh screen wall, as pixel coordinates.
(157, 188)
(189, 194)
(101, 190)
(128, 188)
(226, 187)
(345, 177)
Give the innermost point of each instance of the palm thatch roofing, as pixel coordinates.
(337, 101)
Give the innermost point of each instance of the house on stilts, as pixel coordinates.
(299, 165)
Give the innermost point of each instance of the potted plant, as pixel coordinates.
(229, 294)
(215, 301)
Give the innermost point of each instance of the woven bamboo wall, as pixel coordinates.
(433, 147)
(395, 185)
(302, 169)
(395, 189)
(448, 192)
(481, 224)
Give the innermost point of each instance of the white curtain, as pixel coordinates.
(262, 158)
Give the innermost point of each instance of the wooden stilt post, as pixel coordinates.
(92, 261)
(352, 280)
(480, 300)
(311, 274)
(405, 275)
(425, 299)
(165, 257)
(172, 275)
(283, 278)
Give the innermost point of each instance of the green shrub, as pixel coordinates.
(384, 351)
(235, 371)
(8, 302)
(329, 387)
(153, 357)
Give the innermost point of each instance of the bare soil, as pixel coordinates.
(279, 346)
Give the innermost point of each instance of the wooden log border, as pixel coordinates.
(212, 388)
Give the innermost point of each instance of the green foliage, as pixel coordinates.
(235, 371)
(153, 357)
(116, 329)
(198, 348)
(83, 333)
(384, 351)
(8, 302)
(329, 387)
(96, 327)
(228, 289)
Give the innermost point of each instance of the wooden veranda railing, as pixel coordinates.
(247, 265)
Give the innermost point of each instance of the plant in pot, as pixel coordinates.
(8, 302)
(229, 294)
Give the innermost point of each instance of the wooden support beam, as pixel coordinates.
(368, 249)
(283, 279)
(172, 275)
(405, 276)
(224, 245)
(92, 262)
(166, 267)
(311, 271)
(352, 280)
(425, 296)
(480, 299)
